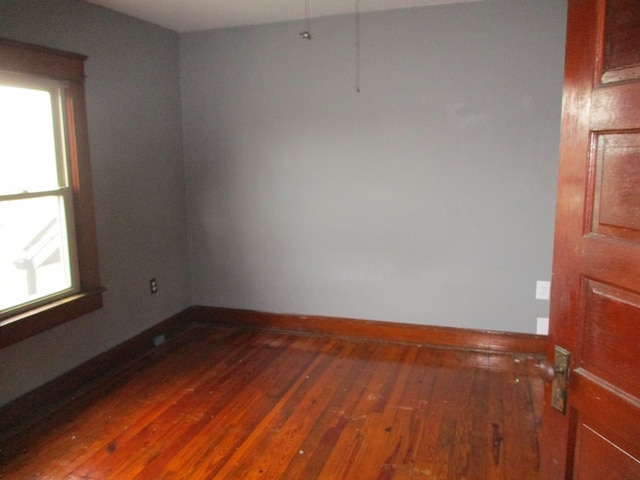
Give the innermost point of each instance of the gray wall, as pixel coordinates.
(134, 113)
(427, 198)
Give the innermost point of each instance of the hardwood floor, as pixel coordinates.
(231, 403)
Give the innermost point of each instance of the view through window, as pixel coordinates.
(37, 262)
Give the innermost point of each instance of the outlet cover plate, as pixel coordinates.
(542, 326)
(543, 289)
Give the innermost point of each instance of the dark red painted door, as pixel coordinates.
(595, 296)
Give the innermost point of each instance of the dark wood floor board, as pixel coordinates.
(145, 410)
(498, 467)
(364, 418)
(536, 392)
(481, 426)
(402, 421)
(527, 429)
(186, 418)
(452, 454)
(379, 440)
(321, 440)
(398, 426)
(322, 383)
(426, 429)
(404, 435)
(518, 460)
(226, 431)
(439, 430)
(511, 453)
(277, 438)
(95, 412)
(180, 418)
(227, 403)
(423, 429)
(465, 442)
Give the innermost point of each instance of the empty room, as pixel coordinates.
(320, 239)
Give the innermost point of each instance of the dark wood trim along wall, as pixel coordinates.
(48, 397)
(469, 339)
(37, 403)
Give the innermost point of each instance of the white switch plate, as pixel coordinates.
(542, 290)
(542, 326)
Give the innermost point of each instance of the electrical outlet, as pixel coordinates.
(542, 326)
(543, 289)
(153, 286)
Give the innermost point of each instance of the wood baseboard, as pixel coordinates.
(482, 340)
(46, 398)
(37, 403)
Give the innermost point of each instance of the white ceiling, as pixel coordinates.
(190, 15)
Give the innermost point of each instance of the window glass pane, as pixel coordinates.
(34, 255)
(27, 142)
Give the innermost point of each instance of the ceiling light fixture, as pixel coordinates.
(307, 15)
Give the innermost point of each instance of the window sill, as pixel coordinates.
(30, 323)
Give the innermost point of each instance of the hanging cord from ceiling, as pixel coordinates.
(307, 15)
(357, 45)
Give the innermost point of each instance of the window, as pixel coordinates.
(48, 255)
(37, 254)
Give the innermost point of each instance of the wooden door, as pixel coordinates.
(595, 296)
